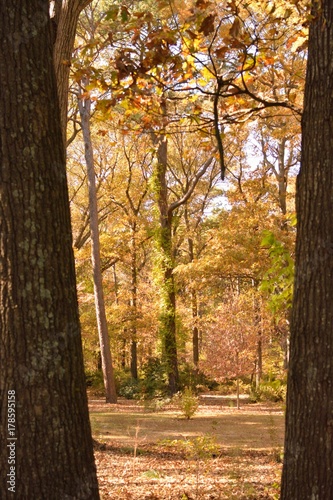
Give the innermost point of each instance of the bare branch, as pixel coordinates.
(189, 192)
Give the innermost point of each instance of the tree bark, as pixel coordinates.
(134, 302)
(66, 16)
(259, 360)
(168, 305)
(194, 303)
(308, 465)
(41, 355)
(104, 342)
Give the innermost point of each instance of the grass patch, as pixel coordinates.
(221, 452)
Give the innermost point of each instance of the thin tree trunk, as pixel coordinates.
(237, 380)
(308, 465)
(258, 326)
(123, 351)
(42, 377)
(195, 329)
(134, 359)
(195, 342)
(259, 361)
(104, 341)
(282, 177)
(194, 300)
(134, 292)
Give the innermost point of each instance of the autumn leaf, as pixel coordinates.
(207, 25)
(112, 13)
(235, 28)
(202, 4)
(124, 14)
(192, 35)
(221, 52)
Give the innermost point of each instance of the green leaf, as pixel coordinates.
(112, 13)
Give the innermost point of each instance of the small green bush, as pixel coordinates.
(156, 404)
(274, 390)
(199, 448)
(126, 385)
(198, 381)
(154, 380)
(130, 389)
(187, 402)
(229, 386)
(95, 381)
(202, 447)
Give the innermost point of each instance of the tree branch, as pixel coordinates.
(187, 195)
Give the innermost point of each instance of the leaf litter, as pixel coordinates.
(222, 453)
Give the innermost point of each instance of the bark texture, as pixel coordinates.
(41, 355)
(168, 295)
(308, 466)
(65, 19)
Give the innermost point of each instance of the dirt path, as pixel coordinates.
(222, 453)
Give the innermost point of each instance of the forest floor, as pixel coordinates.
(221, 453)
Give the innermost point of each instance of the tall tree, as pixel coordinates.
(103, 334)
(166, 213)
(41, 355)
(131, 201)
(307, 471)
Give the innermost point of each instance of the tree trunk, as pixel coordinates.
(195, 329)
(194, 299)
(134, 293)
(48, 442)
(134, 359)
(65, 18)
(282, 176)
(104, 342)
(259, 361)
(168, 305)
(308, 465)
(195, 342)
(237, 381)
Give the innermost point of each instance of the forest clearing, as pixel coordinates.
(221, 453)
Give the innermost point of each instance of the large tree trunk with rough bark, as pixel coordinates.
(48, 442)
(308, 465)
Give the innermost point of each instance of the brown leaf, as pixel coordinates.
(207, 25)
(192, 35)
(221, 52)
(235, 28)
(202, 4)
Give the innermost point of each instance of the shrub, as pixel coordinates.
(154, 380)
(198, 381)
(201, 447)
(229, 386)
(129, 389)
(274, 390)
(187, 402)
(156, 403)
(95, 381)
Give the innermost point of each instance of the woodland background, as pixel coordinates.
(188, 114)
